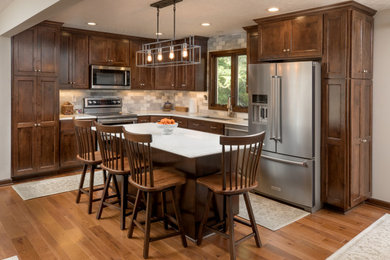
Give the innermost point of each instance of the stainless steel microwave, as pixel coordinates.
(110, 77)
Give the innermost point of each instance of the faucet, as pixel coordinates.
(229, 106)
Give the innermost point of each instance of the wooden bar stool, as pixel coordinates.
(150, 181)
(115, 163)
(240, 163)
(86, 153)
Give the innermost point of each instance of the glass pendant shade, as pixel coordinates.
(171, 53)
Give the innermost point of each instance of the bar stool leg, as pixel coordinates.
(90, 193)
(104, 195)
(252, 219)
(164, 208)
(147, 224)
(85, 168)
(134, 215)
(230, 216)
(124, 201)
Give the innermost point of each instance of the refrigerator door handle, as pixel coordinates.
(272, 108)
(303, 164)
(278, 109)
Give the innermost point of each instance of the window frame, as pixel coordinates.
(234, 82)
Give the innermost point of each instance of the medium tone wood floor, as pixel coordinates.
(55, 227)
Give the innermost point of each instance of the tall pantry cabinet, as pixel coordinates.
(347, 106)
(35, 121)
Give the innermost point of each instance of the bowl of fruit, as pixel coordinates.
(167, 125)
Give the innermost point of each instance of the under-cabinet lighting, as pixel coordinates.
(273, 9)
(91, 23)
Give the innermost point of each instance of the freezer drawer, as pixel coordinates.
(287, 178)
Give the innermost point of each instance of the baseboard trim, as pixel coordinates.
(5, 182)
(379, 203)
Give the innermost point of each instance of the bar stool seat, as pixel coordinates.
(97, 161)
(214, 183)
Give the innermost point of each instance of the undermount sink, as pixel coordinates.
(217, 118)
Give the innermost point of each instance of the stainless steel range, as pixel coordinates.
(108, 110)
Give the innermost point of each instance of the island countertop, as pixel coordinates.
(184, 142)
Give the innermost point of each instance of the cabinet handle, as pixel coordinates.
(39, 70)
(38, 124)
(35, 125)
(288, 50)
(183, 85)
(213, 127)
(194, 124)
(365, 71)
(364, 140)
(172, 85)
(284, 50)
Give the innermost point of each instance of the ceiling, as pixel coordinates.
(136, 17)
(4, 4)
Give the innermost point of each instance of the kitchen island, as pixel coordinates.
(194, 153)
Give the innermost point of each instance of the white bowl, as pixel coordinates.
(167, 129)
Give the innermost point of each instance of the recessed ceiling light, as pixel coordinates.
(159, 33)
(205, 24)
(91, 23)
(273, 9)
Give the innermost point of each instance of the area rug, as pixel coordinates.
(269, 213)
(36, 189)
(371, 243)
(12, 258)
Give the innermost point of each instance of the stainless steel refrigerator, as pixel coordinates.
(285, 102)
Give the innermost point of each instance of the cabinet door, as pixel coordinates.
(65, 75)
(334, 61)
(119, 52)
(184, 77)
(24, 125)
(182, 122)
(361, 46)
(306, 36)
(68, 149)
(47, 121)
(24, 47)
(273, 40)
(80, 66)
(164, 78)
(361, 119)
(98, 50)
(143, 119)
(48, 50)
(141, 78)
(334, 144)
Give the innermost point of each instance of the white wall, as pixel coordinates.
(381, 107)
(5, 113)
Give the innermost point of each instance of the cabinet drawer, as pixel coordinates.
(206, 126)
(143, 119)
(182, 122)
(155, 119)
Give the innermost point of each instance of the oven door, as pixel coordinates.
(109, 77)
(117, 121)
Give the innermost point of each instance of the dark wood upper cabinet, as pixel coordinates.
(361, 45)
(141, 78)
(74, 61)
(108, 51)
(299, 37)
(164, 78)
(36, 51)
(334, 62)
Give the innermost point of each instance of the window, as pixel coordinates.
(228, 79)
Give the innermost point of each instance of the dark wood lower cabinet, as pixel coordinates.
(347, 143)
(68, 146)
(206, 126)
(35, 125)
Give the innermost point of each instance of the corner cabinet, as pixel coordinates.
(141, 78)
(346, 156)
(299, 37)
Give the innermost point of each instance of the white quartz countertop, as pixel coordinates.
(184, 142)
(199, 116)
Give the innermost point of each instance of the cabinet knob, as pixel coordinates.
(183, 85)
(39, 70)
(365, 71)
(172, 85)
(284, 50)
(364, 140)
(288, 50)
(35, 125)
(38, 124)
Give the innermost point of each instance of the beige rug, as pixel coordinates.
(372, 243)
(36, 189)
(269, 213)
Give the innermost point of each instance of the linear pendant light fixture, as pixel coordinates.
(168, 52)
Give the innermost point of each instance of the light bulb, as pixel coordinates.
(149, 58)
(159, 55)
(171, 53)
(184, 52)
